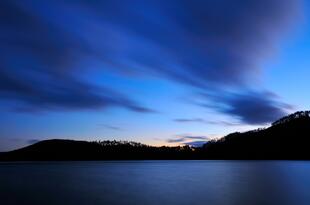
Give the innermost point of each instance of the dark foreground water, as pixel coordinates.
(156, 182)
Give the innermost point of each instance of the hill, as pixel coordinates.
(288, 138)
(61, 150)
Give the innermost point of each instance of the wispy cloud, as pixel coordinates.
(33, 141)
(111, 127)
(195, 143)
(200, 120)
(47, 49)
(185, 138)
(249, 107)
(186, 120)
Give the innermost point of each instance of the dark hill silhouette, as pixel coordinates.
(59, 149)
(287, 138)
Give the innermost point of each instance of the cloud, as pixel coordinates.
(184, 138)
(195, 143)
(200, 120)
(110, 127)
(34, 93)
(47, 49)
(223, 123)
(41, 68)
(33, 141)
(250, 107)
(186, 120)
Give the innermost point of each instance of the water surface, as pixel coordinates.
(156, 182)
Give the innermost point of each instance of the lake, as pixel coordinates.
(156, 182)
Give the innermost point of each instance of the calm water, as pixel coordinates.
(156, 182)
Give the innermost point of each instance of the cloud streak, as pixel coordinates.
(184, 138)
(200, 120)
(61, 93)
(111, 127)
(41, 64)
(212, 46)
(33, 141)
(195, 143)
(188, 120)
(249, 107)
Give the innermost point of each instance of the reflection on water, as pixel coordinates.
(156, 182)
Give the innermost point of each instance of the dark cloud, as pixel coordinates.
(250, 107)
(47, 48)
(54, 93)
(200, 43)
(40, 64)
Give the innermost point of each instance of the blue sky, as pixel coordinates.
(158, 72)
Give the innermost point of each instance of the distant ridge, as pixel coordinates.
(60, 149)
(287, 139)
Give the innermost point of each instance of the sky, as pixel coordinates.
(160, 72)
